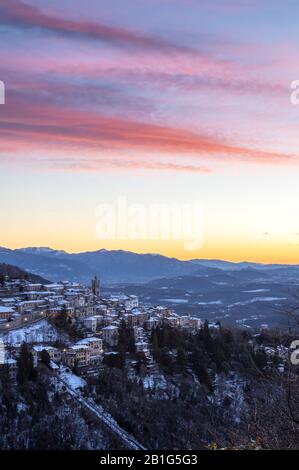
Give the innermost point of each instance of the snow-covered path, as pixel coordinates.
(99, 413)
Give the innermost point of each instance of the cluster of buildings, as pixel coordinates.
(98, 318)
(20, 298)
(86, 352)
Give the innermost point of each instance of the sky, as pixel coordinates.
(157, 101)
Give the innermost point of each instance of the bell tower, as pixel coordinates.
(95, 286)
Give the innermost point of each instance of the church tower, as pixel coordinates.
(95, 286)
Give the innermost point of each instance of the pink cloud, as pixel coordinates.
(53, 130)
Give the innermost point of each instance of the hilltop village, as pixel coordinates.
(107, 364)
(93, 323)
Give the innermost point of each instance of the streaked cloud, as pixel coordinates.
(138, 95)
(22, 15)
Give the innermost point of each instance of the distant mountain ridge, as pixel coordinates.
(118, 266)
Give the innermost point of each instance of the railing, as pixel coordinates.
(99, 414)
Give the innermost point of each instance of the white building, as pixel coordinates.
(110, 336)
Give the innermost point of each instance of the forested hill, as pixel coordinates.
(13, 272)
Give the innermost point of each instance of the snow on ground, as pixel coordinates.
(229, 388)
(22, 407)
(157, 382)
(212, 302)
(72, 380)
(148, 382)
(37, 333)
(257, 299)
(256, 291)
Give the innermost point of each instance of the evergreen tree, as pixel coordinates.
(63, 318)
(181, 359)
(45, 358)
(155, 345)
(207, 338)
(25, 368)
(141, 364)
(200, 369)
(126, 338)
(260, 358)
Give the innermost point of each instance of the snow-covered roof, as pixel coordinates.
(77, 346)
(53, 365)
(39, 348)
(6, 310)
(88, 340)
(39, 292)
(136, 311)
(10, 361)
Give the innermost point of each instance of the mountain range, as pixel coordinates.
(118, 266)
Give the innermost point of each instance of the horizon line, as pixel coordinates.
(149, 253)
